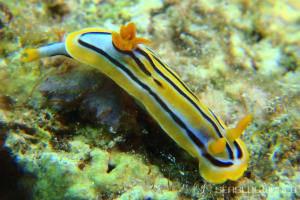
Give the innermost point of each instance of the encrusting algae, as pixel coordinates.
(77, 135)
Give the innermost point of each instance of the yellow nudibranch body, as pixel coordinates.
(127, 61)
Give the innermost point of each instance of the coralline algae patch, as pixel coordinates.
(69, 168)
(239, 57)
(74, 180)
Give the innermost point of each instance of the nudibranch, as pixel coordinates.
(126, 59)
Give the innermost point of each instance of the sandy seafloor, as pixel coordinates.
(67, 132)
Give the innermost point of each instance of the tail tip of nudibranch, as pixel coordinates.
(126, 40)
(29, 55)
(219, 176)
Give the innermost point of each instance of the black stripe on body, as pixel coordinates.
(101, 33)
(158, 82)
(60, 54)
(215, 161)
(139, 64)
(213, 114)
(230, 153)
(239, 150)
(179, 80)
(159, 101)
